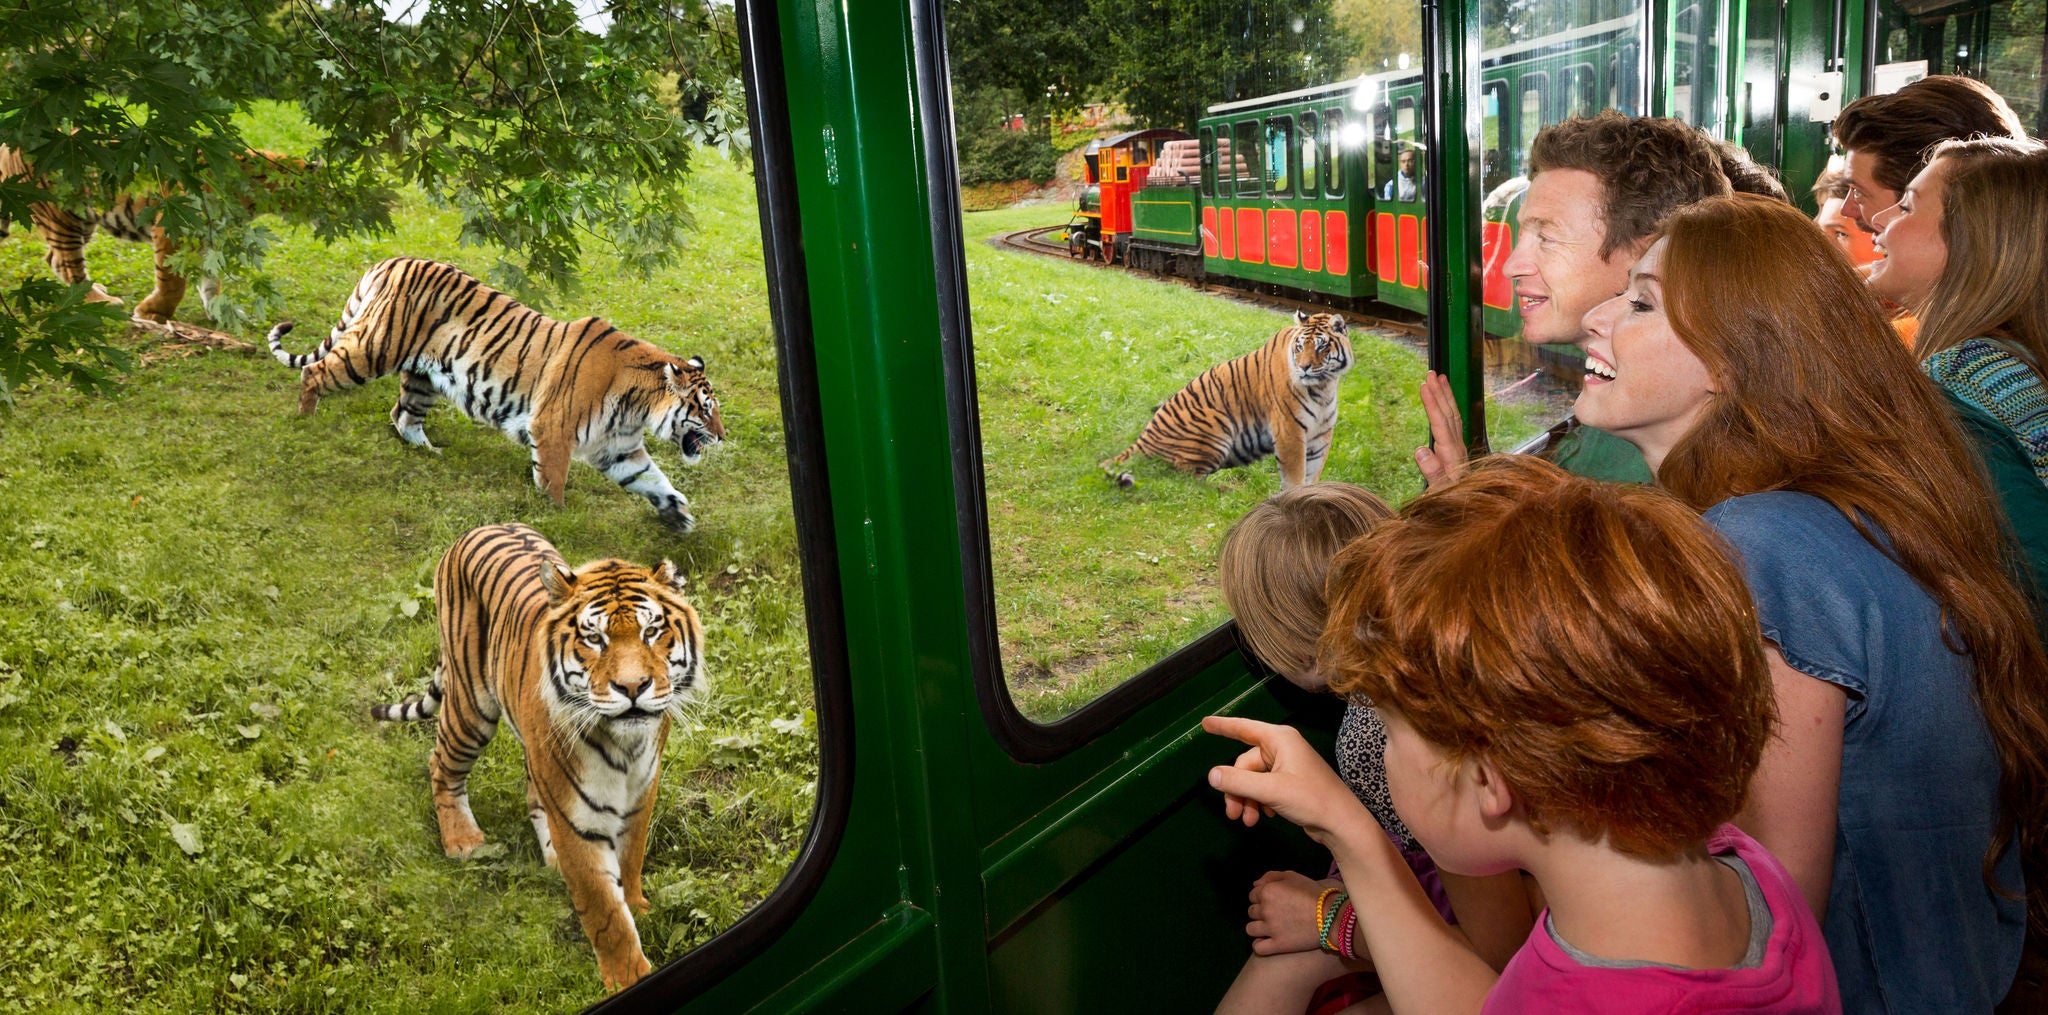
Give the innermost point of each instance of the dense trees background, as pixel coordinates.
(545, 134)
(1164, 60)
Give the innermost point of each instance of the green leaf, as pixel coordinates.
(187, 838)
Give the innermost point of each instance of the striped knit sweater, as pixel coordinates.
(1982, 373)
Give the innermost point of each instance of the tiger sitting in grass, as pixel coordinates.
(131, 217)
(575, 389)
(1279, 399)
(588, 666)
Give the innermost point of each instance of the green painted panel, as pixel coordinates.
(1166, 215)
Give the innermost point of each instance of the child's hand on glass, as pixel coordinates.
(1283, 775)
(1283, 912)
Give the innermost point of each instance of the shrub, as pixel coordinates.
(998, 156)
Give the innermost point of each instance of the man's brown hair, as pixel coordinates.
(1647, 166)
(1899, 128)
(1593, 641)
(1746, 175)
(1273, 566)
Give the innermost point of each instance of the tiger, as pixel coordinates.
(131, 217)
(590, 667)
(1279, 399)
(581, 389)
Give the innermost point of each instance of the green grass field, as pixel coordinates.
(1094, 583)
(202, 594)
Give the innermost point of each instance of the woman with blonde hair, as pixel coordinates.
(1966, 250)
(1909, 777)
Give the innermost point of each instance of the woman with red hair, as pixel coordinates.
(1910, 775)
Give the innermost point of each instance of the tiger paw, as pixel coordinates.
(638, 900)
(460, 845)
(619, 975)
(99, 294)
(155, 310)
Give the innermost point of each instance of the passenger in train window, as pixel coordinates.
(1745, 175)
(1597, 187)
(1403, 187)
(1271, 572)
(1964, 250)
(1910, 773)
(1885, 138)
(1573, 685)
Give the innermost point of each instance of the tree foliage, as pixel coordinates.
(543, 133)
(1170, 59)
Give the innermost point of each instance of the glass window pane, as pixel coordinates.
(1696, 62)
(1541, 62)
(1345, 141)
(1245, 159)
(1094, 582)
(1311, 154)
(188, 693)
(2001, 44)
(1208, 162)
(1279, 155)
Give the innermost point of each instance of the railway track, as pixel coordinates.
(1033, 241)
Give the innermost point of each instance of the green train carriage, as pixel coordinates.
(966, 857)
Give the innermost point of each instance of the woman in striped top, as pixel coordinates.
(1966, 249)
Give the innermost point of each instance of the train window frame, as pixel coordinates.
(1309, 175)
(1280, 185)
(1244, 134)
(1208, 143)
(1335, 176)
(1574, 81)
(775, 187)
(1538, 83)
(1025, 740)
(1504, 128)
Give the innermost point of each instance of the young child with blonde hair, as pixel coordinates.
(1272, 570)
(1572, 685)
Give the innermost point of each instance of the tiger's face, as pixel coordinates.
(690, 420)
(627, 649)
(1322, 350)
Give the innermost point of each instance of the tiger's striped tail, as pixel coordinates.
(296, 362)
(1122, 476)
(415, 706)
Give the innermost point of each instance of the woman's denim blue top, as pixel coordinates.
(1910, 922)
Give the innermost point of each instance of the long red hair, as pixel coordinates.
(1815, 394)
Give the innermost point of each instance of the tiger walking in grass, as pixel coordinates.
(564, 389)
(1279, 399)
(133, 217)
(589, 666)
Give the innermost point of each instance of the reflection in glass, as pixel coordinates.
(1541, 63)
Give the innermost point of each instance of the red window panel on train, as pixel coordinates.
(1337, 242)
(1496, 239)
(1390, 261)
(1411, 256)
(1280, 248)
(1312, 240)
(1210, 245)
(1251, 236)
(1226, 233)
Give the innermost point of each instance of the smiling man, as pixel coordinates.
(1598, 186)
(1885, 138)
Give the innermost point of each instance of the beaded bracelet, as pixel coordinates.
(1347, 921)
(1327, 920)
